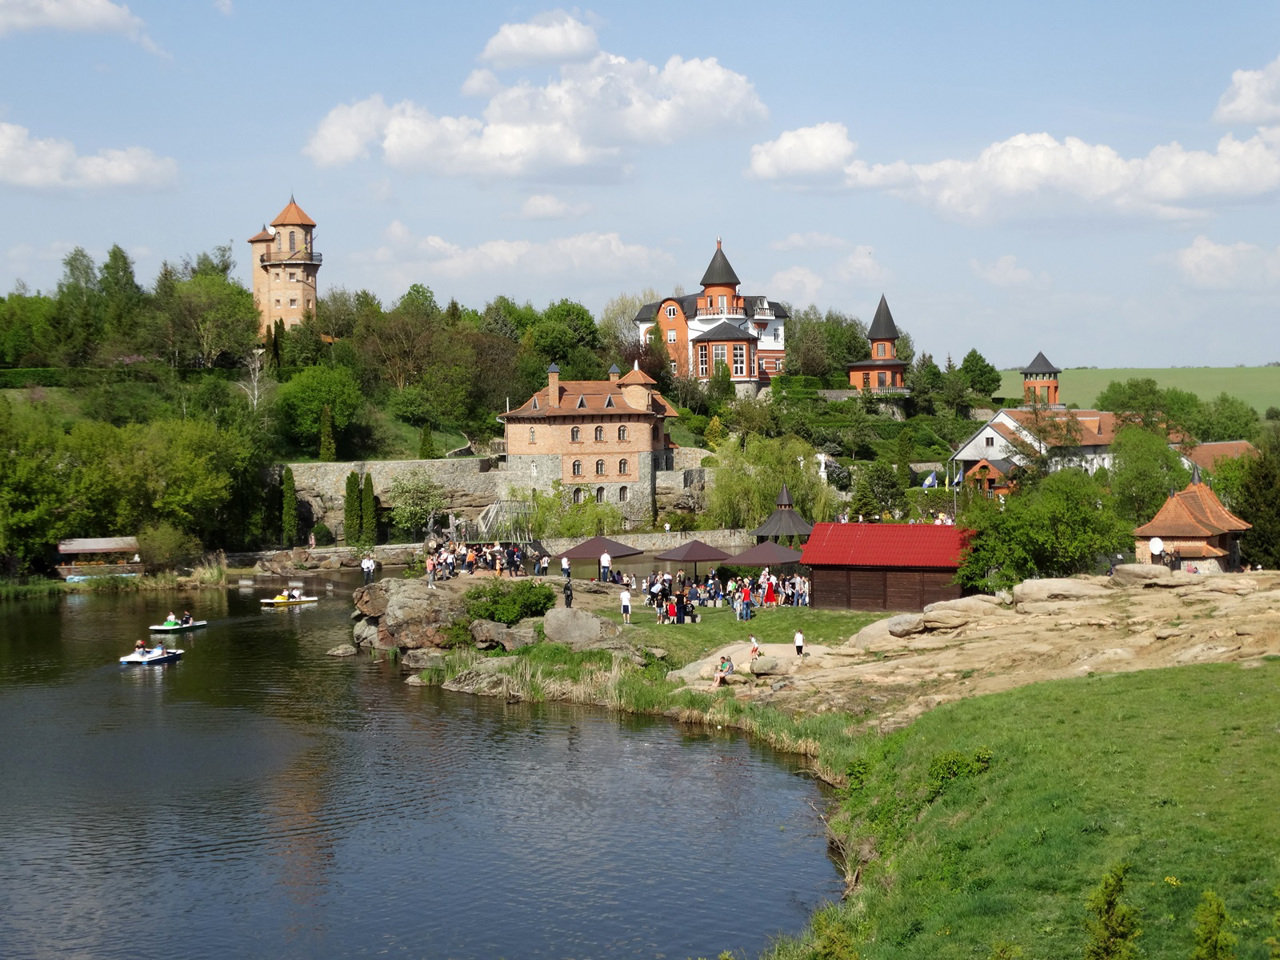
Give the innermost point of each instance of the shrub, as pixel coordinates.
(508, 602)
(324, 536)
(163, 546)
(679, 521)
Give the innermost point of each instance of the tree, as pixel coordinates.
(416, 500)
(216, 314)
(1225, 418)
(328, 450)
(123, 301)
(983, 378)
(77, 319)
(1113, 926)
(1056, 526)
(886, 487)
(616, 326)
(577, 318)
(351, 526)
(1257, 504)
(427, 444)
(715, 433)
(748, 480)
(1144, 470)
(1213, 939)
(368, 513)
(289, 510)
(301, 401)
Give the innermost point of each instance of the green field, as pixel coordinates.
(1174, 771)
(1257, 386)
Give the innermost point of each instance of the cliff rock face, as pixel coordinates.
(403, 613)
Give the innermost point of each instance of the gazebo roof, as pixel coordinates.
(99, 545)
(767, 554)
(593, 548)
(694, 551)
(783, 522)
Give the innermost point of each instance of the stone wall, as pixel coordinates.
(731, 541)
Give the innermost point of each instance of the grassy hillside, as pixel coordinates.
(1257, 386)
(1176, 771)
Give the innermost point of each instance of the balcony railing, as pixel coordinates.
(290, 256)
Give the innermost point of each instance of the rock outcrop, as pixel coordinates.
(581, 630)
(404, 613)
(490, 635)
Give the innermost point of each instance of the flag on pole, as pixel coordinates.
(931, 480)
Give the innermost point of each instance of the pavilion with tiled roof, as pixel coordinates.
(1193, 528)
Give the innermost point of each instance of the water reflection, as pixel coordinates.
(258, 799)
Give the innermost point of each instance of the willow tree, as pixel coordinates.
(749, 479)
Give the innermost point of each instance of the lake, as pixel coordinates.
(260, 799)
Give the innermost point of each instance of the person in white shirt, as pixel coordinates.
(605, 562)
(799, 644)
(565, 566)
(625, 599)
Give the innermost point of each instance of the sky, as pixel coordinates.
(1097, 181)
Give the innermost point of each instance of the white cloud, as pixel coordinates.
(861, 267)
(797, 284)
(84, 16)
(820, 151)
(554, 37)
(226, 7)
(590, 116)
(1218, 266)
(588, 255)
(546, 206)
(28, 162)
(481, 83)
(1253, 97)
(1005, 272)
(809, 241)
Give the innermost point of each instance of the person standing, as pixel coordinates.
(565, 566)
(799, 644)
(431, 571)
(605, 562)
(755, 647)
(624, 598)
(568, 594)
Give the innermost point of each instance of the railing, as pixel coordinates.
(890, 391)
(290, 256)
(735, 312)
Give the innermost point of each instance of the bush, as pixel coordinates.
(324, 536)
(508, 602)
(679, 521)
(163, 546)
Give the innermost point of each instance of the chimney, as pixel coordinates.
(553, 385)
(614, 373)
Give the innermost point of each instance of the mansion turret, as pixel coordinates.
(719, 326)
(285, 265)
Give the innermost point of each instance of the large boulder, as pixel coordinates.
(582, 630)
(876, 637)
(903, 625)
(490, 635)
(1059, 588)
(767, 667)
(953, 614)
(1133, 574)
(423, 660)
(408, 613)
(979, 605)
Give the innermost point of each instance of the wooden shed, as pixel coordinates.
(883, 566)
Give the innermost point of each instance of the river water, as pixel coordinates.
(261, 800)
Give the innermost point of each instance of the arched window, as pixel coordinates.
(577, 468)
(599, 468)
(622, 467)
(599, 494)
(532, 438)
(279, 240)
(622, 434)
(599, 434)
(577, 494)
(657, 431)
(575, 434)
(293, 241)
(622, 494)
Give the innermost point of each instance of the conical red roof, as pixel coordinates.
(292, 216)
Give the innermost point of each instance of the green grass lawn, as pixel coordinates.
(683, 436)
(1257, 386)
(1176, 771)
(687, 642)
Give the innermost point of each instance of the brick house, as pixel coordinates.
(882, 372)
(720, 326)
(1192, 529)
(603, 439)
(285, 265)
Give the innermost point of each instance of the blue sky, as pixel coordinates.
(1094, 180)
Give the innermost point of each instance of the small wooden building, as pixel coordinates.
(883, 566)
(99, 557)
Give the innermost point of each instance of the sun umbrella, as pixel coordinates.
(592, 550)
(692, 552)
(767, 554)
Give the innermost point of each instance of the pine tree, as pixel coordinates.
(1213, 940)
(289, 510)
(427, 448)
(328, 451)
(351, 510)
(368, 513)
(1113, 928)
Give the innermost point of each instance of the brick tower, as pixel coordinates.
(285, 265)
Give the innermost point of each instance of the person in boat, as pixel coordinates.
(186, 618)
(281, 597)
(140, 647)
(171, 620)
(159, 650)
(295, 593)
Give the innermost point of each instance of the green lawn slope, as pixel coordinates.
(1175, 771)
(1257, 386)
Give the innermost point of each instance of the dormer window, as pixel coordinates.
(582, 403)
(608, 401)
(671, 311)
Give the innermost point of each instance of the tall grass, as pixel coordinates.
(21, 590)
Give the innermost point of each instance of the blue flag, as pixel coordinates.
(931, 480)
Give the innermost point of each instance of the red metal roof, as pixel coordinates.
(905, 545)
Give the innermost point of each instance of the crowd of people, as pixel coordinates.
(676, 597)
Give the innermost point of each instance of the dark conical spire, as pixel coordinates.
(883, 327)
(784, 498)
(719, 273)
(1195, 474)
(1040, 365)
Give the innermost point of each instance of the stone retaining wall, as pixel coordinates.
(731, 541)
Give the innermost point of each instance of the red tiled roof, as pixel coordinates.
(1097, 427)
(1193, 512)
(1205, 455)
(905, 545)
(260, 235)
(292, 216)
(591, 397)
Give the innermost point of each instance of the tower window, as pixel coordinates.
(622, 494)
(293, 302)
(293, 276)
(532, 435)
(277, 276)
(293, 241)
(879, 349)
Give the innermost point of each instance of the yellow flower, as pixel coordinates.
(1173, 881)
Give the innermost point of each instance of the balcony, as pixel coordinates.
(290, 256)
